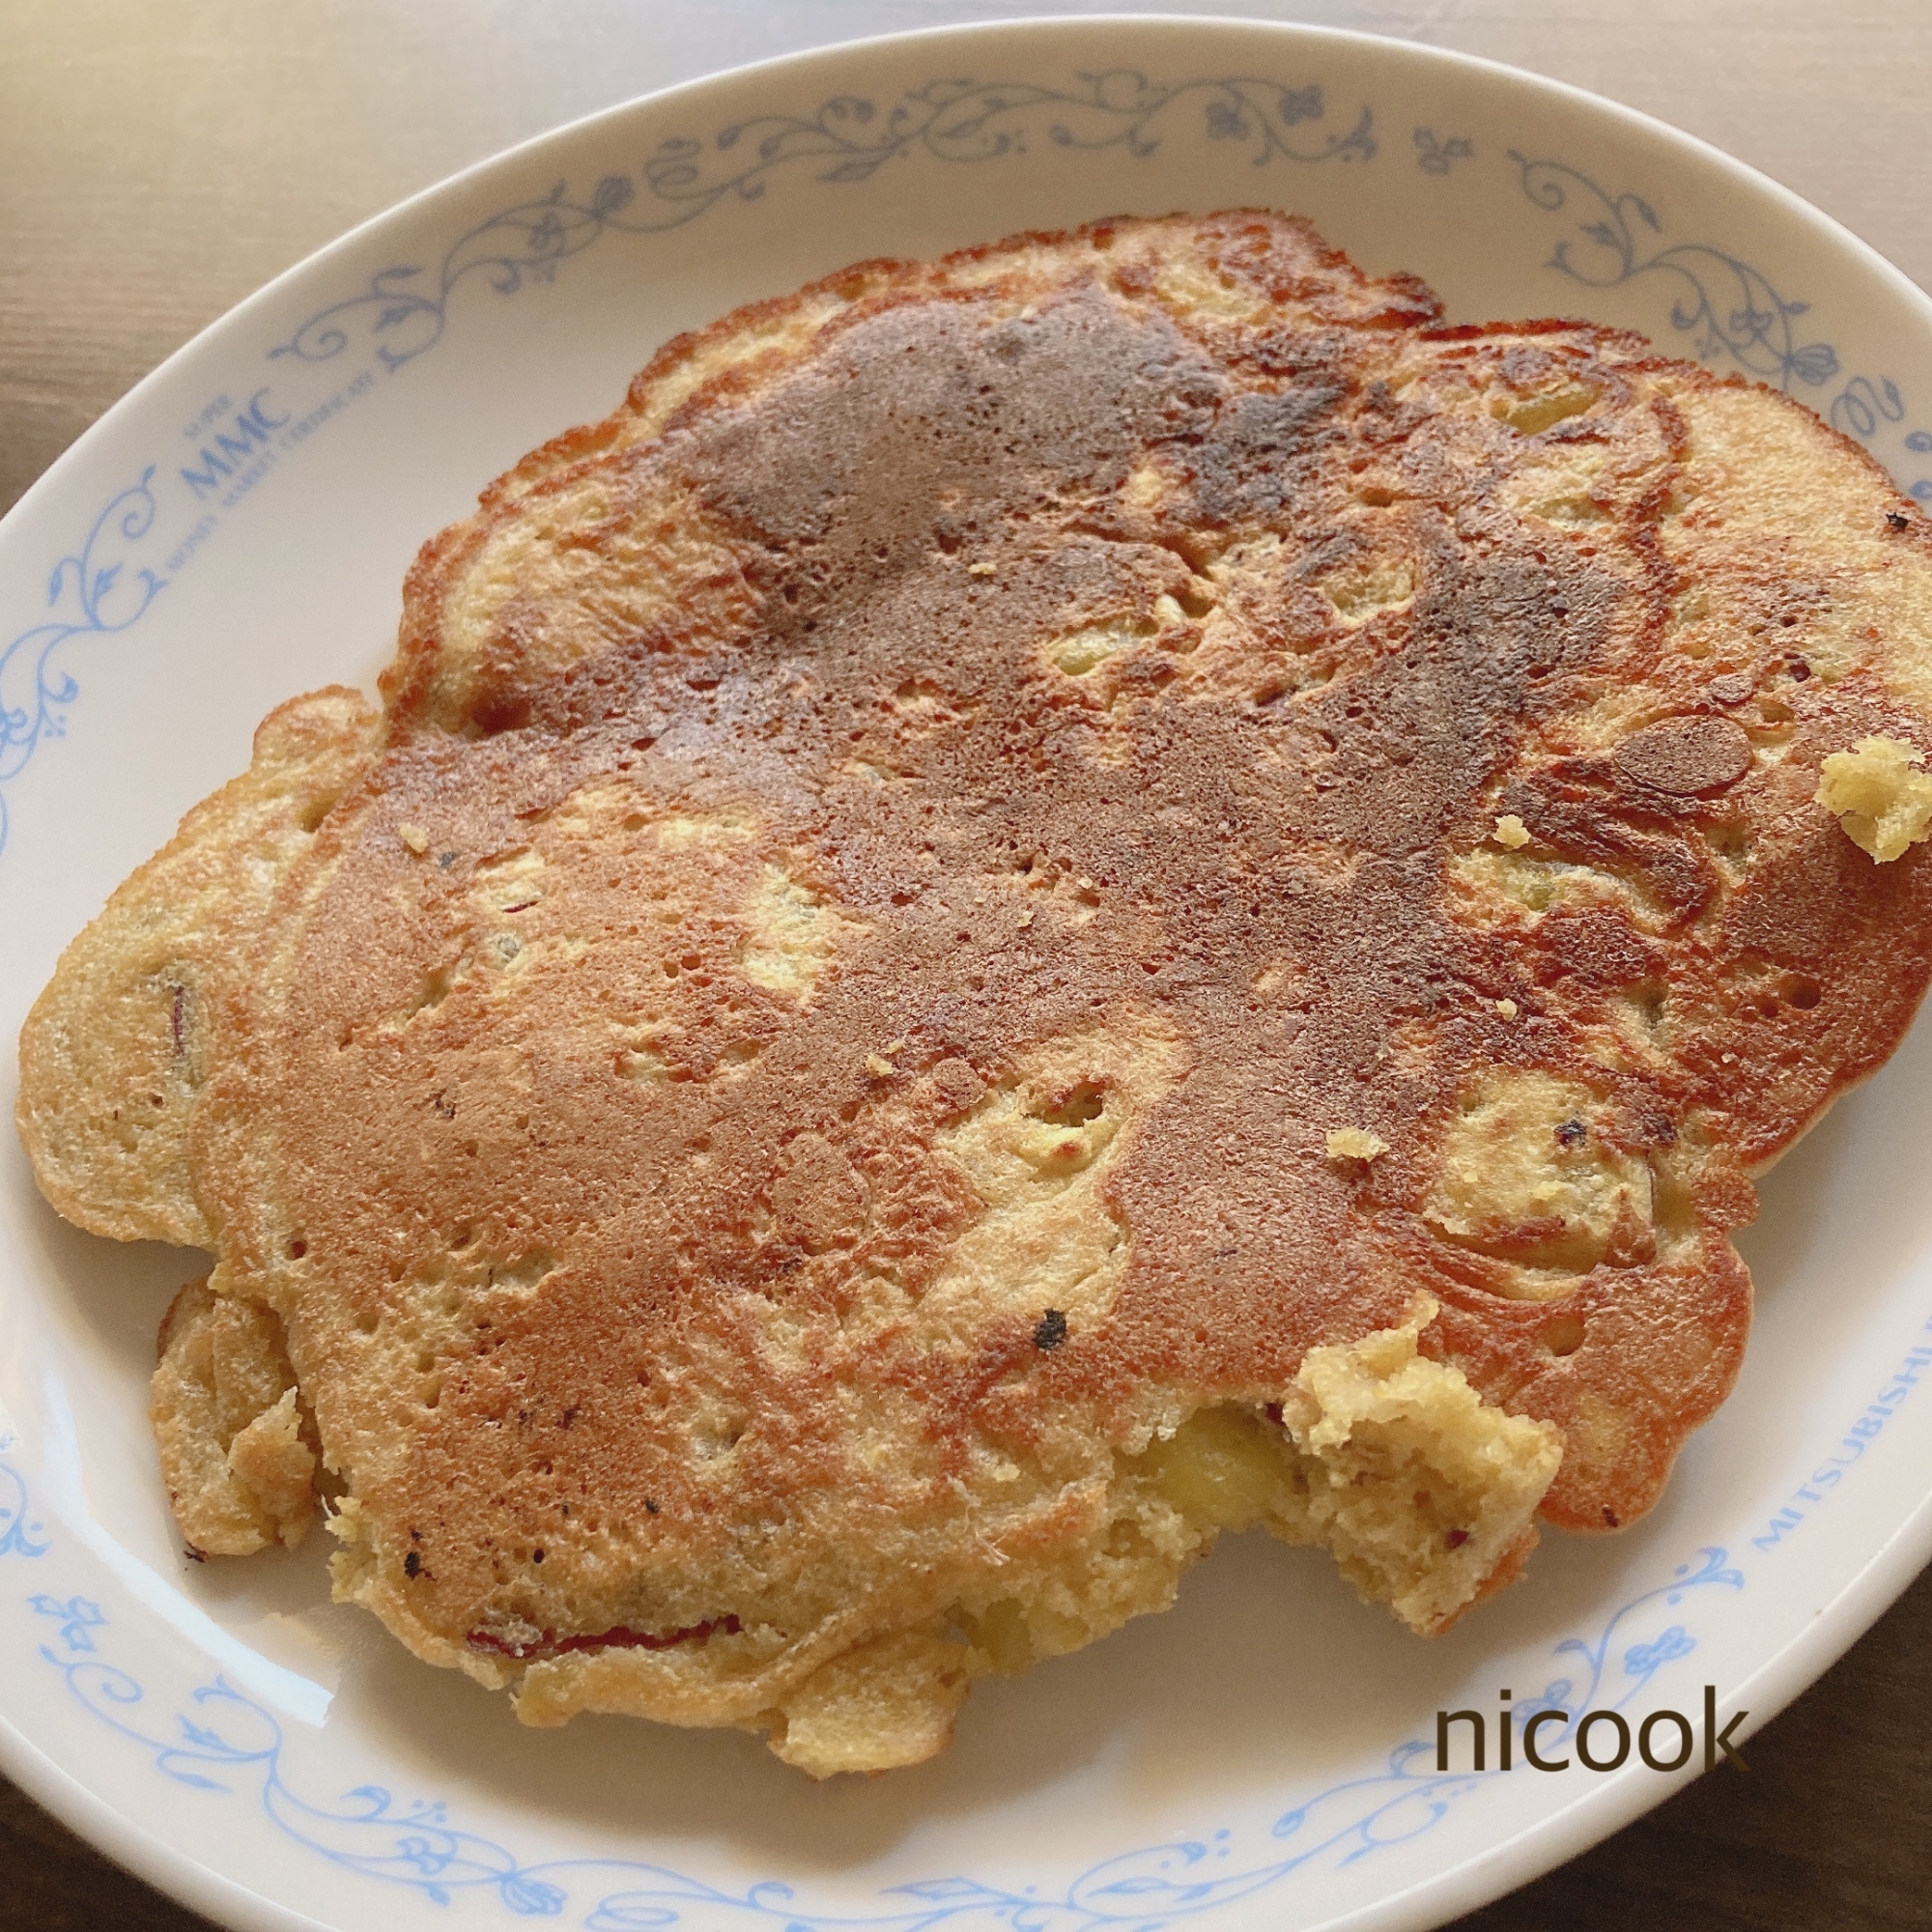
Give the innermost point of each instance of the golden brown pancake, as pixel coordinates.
(1040, 905)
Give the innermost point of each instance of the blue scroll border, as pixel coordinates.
(1732, 312)
(217, 1740)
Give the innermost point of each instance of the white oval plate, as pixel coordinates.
(237, 530)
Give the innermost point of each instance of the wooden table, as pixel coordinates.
(157, 163)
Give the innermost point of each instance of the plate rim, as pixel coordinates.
(1792, 202)
(1599, 1810)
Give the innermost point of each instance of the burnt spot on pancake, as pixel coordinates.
(1051, 1331)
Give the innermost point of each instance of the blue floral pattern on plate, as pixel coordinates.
(94, 589)
(19, 1534)
(1864, 406)
(848, 140)
(227, 1744)
(1730, 308)
(1436, 156)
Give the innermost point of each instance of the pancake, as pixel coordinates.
(1039, 906)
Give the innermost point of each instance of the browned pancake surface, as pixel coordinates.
(987, 767)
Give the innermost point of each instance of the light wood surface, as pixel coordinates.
(161, 159)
